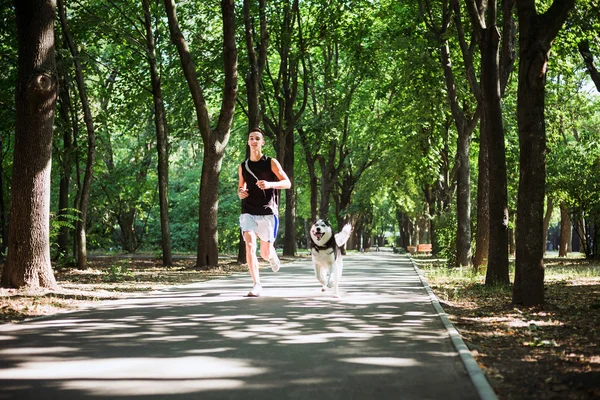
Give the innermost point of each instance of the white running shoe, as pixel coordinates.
(256, 290)
(274, 261)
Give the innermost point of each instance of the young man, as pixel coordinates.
(260, 179)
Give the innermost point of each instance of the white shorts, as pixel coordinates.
(265, 226)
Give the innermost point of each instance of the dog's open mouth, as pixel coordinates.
(319, 235)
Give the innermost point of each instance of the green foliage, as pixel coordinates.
(66, 218)
(396, 118)
(445, 228)
(118, 272)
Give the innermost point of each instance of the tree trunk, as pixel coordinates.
(312, 175)
(588, 58)
(162, 141)
(511, 242)
(207, 233)
(3, 232)
(285, 90)
(547, 217)
(482, 235)
(463, 200)
(67, 159)
(497, 270)
(256, 62)
(28, 263)
(566, 228)
(536, 33)
(91, 149)
(289, 240)
(126, 223)
(465, 127)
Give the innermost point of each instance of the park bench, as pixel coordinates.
(411, 249)
(424, 248)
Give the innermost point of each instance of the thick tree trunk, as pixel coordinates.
(207, 233)
(91, 148)
(497, 270)
(492, 197)
(214, 145)
(28, 263)
(162, 142)
(536, 33)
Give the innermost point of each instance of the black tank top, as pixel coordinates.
(259, 202)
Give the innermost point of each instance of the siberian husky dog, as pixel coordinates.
(326, 253)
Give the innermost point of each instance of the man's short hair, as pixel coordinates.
(256, 129)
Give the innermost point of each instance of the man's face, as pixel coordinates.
(255, 139)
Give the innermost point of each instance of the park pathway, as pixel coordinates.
(383, 339)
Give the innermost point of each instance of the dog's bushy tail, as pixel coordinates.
(342, 237)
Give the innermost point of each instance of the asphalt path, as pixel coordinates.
(382, 339)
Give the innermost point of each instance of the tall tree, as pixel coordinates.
(536, 33)
(214, 140)
(494, 76)
(66, 156)
(28, 262)
(162, 138)
(257, 63)
(281, 117)
(91, 143)
(465, 121)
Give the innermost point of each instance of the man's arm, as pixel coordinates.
(242, 189)
(284, 181)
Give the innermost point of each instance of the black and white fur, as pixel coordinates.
(326, 253)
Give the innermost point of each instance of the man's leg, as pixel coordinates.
(252, 260)
(268, 253)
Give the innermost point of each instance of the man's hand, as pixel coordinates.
(263, 185)
(242, 193)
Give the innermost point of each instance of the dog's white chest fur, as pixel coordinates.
(323, 258)
(326, 253)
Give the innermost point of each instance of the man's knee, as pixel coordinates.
(265, 251)
(250, 239)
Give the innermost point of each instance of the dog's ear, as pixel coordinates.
(327, 222)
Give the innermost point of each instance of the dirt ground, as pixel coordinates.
(548, 352)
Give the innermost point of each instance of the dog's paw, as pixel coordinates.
(324, 289)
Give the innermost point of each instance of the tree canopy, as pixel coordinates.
(369, 102)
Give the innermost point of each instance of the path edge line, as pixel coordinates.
(482, 385)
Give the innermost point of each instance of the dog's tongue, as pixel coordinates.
(319, 235)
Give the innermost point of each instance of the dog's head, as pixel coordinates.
(321, 232)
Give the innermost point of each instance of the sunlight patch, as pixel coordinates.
(384, 361)
(147, 388)
(36, 350)
(124, 369)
